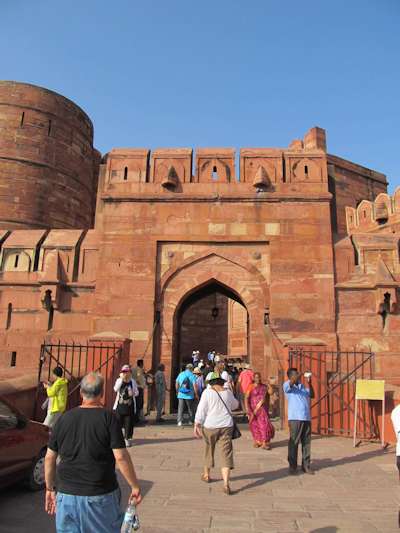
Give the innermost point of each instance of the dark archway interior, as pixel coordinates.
(210, 318)
(205, 321)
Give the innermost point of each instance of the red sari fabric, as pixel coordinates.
(260, 425)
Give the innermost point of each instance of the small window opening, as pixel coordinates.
(50, 319)
(284, 170)
(306, 170)
(386, 301)
(49, 130)
(214, 175)
(13, 359)
(16, 261)
(9, 316)
(125, 173)
(365, 214)
(22, 118)
(385, 308)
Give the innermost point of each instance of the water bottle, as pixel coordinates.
(131, 519)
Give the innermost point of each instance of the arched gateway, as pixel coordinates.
(201, 277)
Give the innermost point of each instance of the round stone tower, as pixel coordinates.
(48, 166)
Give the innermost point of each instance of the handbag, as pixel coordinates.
(236, 433)
(45, 405)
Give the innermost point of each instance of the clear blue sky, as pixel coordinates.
(237, 73)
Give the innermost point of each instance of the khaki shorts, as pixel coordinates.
(224, 436)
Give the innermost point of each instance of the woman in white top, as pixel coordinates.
(125, 402)
(213, 423)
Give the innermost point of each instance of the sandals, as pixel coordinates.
(205, 478)
(266, 446)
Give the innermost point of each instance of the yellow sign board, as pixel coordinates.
(370, 389)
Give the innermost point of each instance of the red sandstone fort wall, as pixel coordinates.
(350, 184)
(271, 234)
(48, 166)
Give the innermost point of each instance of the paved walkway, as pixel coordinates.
(353, 490)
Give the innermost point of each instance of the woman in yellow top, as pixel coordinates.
(57, 394)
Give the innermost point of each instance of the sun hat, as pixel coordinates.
(126, 368)
(212, 376)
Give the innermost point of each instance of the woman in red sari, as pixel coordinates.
(257, 402)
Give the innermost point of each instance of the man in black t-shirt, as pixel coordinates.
(89, 442)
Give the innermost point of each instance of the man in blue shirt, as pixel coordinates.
(186, 393)
(299, 418)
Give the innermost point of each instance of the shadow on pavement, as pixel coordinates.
(318, 464)
(142, 442)
(327, 529)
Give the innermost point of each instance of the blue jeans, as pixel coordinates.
(89, 514)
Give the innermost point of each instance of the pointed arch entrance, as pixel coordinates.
(203, 277)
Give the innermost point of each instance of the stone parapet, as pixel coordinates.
(379, 216)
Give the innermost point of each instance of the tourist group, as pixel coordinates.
(89, 442)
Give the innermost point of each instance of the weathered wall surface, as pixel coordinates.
(48, 166)
(169, 224)
(48, 295)
(265, 235)
(349, 184)
(368, 281)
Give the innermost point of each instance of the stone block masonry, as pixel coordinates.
(187, 250)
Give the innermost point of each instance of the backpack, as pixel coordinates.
(125, 401)
(186, 386)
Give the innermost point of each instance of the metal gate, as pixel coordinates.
(76, 360)
(334, 382)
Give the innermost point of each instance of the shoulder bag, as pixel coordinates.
(236, 434)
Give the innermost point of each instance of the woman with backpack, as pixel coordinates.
(125, 402)
(214, 423)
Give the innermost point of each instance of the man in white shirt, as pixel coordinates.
(396, 426)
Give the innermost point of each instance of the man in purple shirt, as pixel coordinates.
(299, 418)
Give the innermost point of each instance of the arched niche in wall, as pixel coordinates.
(16, 261)
(305, 169)
(351, 219)
(365, 213)
(382, 208)
(215, 170)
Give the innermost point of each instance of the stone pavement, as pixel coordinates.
(354, 490)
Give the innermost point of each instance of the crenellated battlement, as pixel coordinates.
(383, 214)
(260, 169)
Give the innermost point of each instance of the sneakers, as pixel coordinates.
(180, 424)
(128, 443)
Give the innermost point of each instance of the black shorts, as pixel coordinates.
(398, 462)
